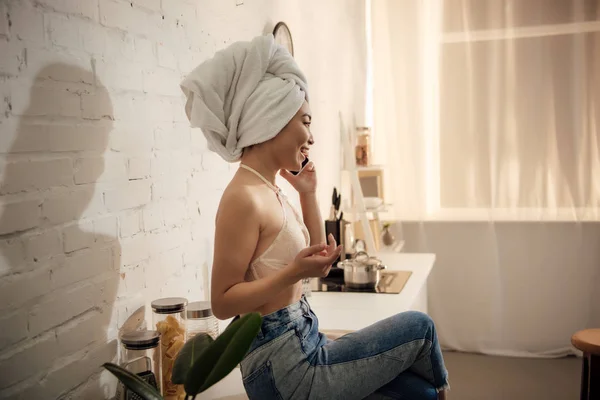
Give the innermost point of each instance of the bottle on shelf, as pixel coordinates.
(363, 146)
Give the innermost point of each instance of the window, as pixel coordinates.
(519, 105)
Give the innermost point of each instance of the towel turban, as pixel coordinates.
(245, 95)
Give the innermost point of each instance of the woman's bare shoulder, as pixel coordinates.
(239, 199)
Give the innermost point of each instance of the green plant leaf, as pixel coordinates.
(133, 382)
(223, 355)
(188, 354)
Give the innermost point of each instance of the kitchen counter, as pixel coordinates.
(352, 311)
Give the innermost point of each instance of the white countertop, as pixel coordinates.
(352, 311)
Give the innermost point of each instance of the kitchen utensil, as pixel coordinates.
(140, 355)
(143, 370)
(362, 271)
(333, 210)
(347, 239)
(135, 322)
(332, 213)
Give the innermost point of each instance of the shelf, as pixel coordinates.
(377, 167)
(382, 208)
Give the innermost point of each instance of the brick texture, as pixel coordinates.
(87, 9)
(4, 24)
(107, 197)
(37, 175)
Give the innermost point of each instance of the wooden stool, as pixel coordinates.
(588, 341)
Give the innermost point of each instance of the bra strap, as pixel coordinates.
(255, 172)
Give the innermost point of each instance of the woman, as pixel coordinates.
(251, 102)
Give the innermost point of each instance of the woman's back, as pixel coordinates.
(282, 233)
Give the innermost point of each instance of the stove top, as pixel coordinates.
(391, 282)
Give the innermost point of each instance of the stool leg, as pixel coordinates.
(594, 376)
(584, 377)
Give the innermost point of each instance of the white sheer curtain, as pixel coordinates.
(486, 114)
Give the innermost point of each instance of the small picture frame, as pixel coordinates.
(371, 182)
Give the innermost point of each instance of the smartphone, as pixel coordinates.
(303, 165)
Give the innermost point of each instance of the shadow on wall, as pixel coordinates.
(59, 276)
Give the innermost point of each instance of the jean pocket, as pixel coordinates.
(307, 327)
(307, 331)
(260, 384)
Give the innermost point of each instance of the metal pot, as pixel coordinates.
(362, 271)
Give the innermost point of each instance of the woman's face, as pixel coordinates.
(292, 145)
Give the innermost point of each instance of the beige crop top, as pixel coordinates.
(292, 237)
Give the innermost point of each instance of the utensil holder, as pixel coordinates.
(335, 228)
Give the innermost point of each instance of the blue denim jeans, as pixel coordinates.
(398, 358)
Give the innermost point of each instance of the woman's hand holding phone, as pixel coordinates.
(305, 181)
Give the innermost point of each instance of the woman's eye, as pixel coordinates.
(307, 124)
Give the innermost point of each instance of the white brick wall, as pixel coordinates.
(27, 23)
(3, 19)
(37, 175)
(120, 15)
(138, 168)
(88, 9)
(19, 216)
(107, 197)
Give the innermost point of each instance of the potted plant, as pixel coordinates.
(202, 361)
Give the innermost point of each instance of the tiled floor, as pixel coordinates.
(478, 377)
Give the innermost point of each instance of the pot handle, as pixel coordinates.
(361, 253)
(359, 245)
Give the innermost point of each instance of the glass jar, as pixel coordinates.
(140, 354)
(363, 146)
(200, 319)
(168, 316)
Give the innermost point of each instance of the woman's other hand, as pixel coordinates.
(305, 181)
(315, 261)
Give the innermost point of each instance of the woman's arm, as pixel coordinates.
(306, 185)
(236, 237)
(312, 217)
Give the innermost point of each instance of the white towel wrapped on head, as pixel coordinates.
(245, 95)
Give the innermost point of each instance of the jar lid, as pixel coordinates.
(199, 309)
(169, 305)
(140, 340)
